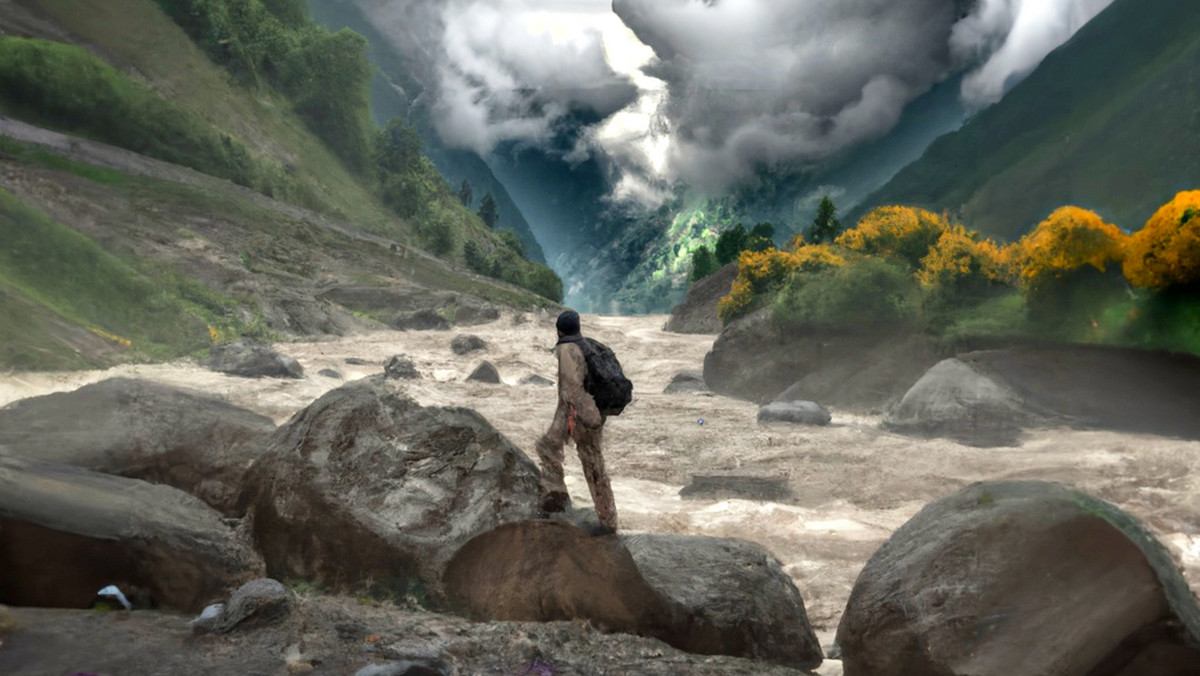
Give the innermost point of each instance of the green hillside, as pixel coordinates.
(1109, 121)
(157, 198)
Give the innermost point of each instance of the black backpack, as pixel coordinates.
(605, 380)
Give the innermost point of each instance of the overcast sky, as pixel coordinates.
(705, 91)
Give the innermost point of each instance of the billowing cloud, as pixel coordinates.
(511, 70)
(1012, 37)
(756, 82)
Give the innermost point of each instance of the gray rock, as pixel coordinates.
(467, 343)
(421, 320)
(252, 360)
(686, 382)
(727, 597)
(797, 412)
(356, 361)
(1021, 577)
(485, 373)
(366, 485)
(143, 430)
(702, 595)
(741, 486)
(255, 603)
(698, 311)
(955, 400)
(207, 620)
(330, 373)
(407, 668)
(534, 380)
(66, 532)
(400, 367)
(755, 359)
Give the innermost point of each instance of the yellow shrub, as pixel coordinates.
(761, 272)
(1068, 239)
(960, 257)
(900, 233)
(1166, 252)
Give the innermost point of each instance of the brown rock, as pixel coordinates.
(66, 532)
(1026, 577)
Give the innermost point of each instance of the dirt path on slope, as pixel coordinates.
(853, 483)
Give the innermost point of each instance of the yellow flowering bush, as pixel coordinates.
(1166, 252)
(960, 255)
(762, 272)
(1069, 239)
(903, 234)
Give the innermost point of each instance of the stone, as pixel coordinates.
(955, 400)
(485, 373)
(330, 373)
(795, 412)
(66, 532)
(727, 597)
(698, 311)
(755, 359)
(207, 620)
(400, 367)
(255, 603)
(534, 380)
(407, 668)
(702, 595)
(736, 486)
(421, 320)
(686, 382)
(467, 343)
(1021, 577)
(144, 430)
(366, 486)
(356, 361)
(251, 360)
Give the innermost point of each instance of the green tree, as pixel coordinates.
(488, 212)
(397, 149)
(475, 258)
(465, 194)
(825, 227)
(761, 237)
(704, 263)
(731, 243)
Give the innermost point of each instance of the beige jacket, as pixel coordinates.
(572, 368)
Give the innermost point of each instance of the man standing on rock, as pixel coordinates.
(576, 418)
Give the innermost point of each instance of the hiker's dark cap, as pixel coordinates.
(568, 323)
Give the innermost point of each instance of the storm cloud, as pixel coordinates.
(757, 82)
(511, 70)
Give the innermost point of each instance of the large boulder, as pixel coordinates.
(727, 597)
(144, 430)
(66, 532)
(420, 320)
(366, 486)
(954, 399)
(698, 311)
(251, 360)
(754, 359)
(485, 373)
(703, 595)
(1022, 577)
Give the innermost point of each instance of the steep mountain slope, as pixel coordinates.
(114, 255)
(1110, 121)
(397, 92)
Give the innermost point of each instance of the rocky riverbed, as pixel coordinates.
(849, 485)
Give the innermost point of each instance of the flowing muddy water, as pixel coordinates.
(853, 484)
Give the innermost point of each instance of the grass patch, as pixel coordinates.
(32, 154)
(50, 271)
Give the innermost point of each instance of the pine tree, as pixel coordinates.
(488, 212)
(465, 194)
(825, 227)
